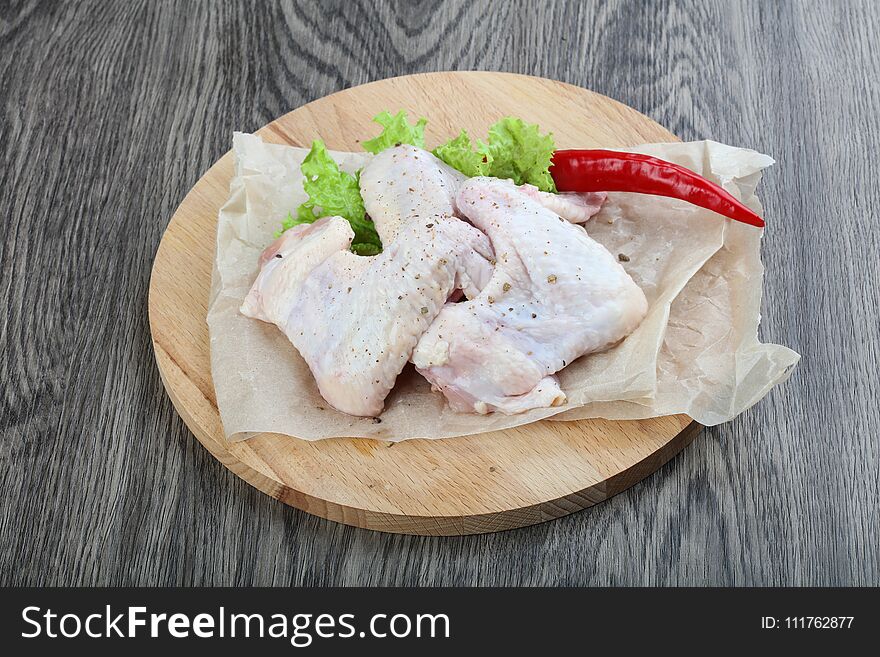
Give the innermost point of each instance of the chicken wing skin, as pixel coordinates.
(576, 207)
(405, 183)
(555, 295)
(356, 320)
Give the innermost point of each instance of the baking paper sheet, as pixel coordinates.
(696, 352)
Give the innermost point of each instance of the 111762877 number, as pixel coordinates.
(818, 622)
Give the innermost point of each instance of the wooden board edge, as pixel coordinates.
(393, 523)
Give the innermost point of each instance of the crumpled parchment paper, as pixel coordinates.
(696, 352)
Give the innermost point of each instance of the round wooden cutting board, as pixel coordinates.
(466, 485)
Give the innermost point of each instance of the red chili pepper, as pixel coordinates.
(599, 170)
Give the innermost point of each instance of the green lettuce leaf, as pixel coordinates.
(396, 130)
(514, 149)
(460, 154)
(519, 151)
(333, 192)
(366, 249)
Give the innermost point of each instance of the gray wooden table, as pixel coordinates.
(112, 111)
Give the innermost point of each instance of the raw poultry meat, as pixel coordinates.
(404, 184)
(555, 295)
(355, 320)
(571, 206)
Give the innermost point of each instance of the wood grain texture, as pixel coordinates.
(467, 485)
(109, 113)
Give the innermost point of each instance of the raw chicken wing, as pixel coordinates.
(555, 295)
(355, 320)
(405, 183)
